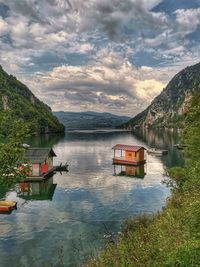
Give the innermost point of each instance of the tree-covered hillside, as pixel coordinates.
(17, 98)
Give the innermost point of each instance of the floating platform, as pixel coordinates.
(48, 174)
(118, 161)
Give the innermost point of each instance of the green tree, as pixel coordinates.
(192, 129)
(12, 133)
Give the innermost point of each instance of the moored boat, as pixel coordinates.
(180, 146)
(5, 208)
(7, 203)
(157, 152)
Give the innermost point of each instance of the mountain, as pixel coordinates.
(89, 120)
(168, 109)
(16, 97)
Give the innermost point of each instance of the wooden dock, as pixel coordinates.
(48, 174)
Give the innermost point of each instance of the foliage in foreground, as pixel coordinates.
(11, 149)
(171, 237)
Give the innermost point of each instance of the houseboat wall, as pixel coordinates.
(140, 155)
(130, 155)
(50, 162)
(47, 165)
(44, 167)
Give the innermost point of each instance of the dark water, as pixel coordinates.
(67, 219)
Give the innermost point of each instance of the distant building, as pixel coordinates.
(40, 160)
(129, 155)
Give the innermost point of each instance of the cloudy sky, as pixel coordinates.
(100, 55)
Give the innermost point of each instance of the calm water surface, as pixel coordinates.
(65, 220)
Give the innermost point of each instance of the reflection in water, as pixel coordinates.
(87, 201)
(45, 140)
(37, 190)
(130, 171)
(3, 191)
(163, 139)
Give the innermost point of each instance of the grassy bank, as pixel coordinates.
(171, 237)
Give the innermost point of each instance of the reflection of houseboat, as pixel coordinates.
(129, 155)
(132, 171)
(37, 190)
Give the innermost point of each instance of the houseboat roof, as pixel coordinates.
(38, 155)
(128, 147)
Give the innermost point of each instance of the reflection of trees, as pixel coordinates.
(45, 140)
(53, 139)
(95, 135)
(3, 191)
(163, 139)
(158, 138)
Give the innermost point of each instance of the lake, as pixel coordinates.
(69, 218)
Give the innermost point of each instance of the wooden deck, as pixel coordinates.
(121, 161)
(46, 175)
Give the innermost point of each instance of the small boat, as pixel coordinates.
(180, 146)
(6, 203)
(25, 145)
(157, 152)
(5, 209)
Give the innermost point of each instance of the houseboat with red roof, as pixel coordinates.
(129, 155)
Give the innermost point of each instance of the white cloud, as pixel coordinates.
(3, 26)
(149, 4)
(148, 89)
(107, 84)
(188, 19)
(85, 48)
(72, 35)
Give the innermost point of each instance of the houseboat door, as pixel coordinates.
(36, 169)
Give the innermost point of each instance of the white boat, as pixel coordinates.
(157, 152)
(25, 145)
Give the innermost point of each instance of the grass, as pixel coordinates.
(169, 238)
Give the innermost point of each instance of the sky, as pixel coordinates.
(100, 55)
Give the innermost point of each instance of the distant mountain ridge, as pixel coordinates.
(168, 109)
(16, 97)
(89, 120)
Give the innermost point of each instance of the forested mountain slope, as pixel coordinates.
(168, 109)
(17, 98)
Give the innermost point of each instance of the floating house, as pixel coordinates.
(40, 160)
(129, 155)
